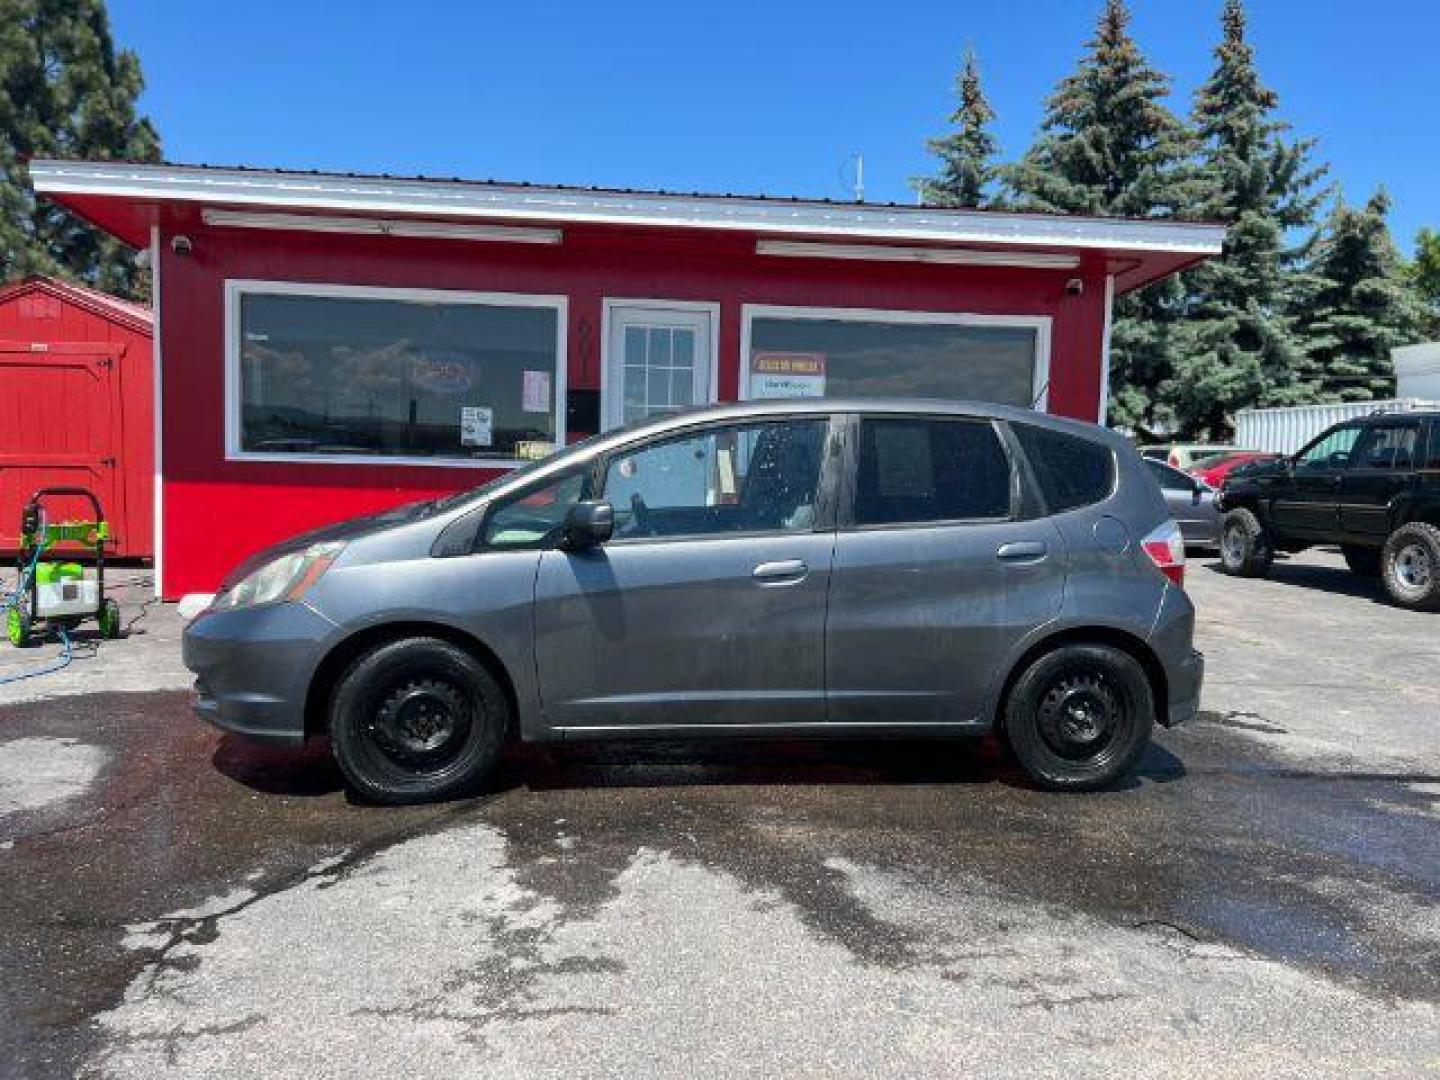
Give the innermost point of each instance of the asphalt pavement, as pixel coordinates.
(1262, 900)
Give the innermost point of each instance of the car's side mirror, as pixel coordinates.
(1197, 491)
(588, 524)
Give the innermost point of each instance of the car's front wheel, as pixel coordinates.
(1245, 547)
(1079, 717)
(417, 720)
(1410, 566)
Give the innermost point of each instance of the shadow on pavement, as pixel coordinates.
(690, 763)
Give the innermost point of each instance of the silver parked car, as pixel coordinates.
(787, 567)
(1192, 502)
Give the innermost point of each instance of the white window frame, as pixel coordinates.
(1040, 384)
(608, 306)
(235, 288)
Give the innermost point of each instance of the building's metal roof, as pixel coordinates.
(455, 198)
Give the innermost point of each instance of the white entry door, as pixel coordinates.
(659, 357)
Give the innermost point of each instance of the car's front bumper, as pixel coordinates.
(253, 667)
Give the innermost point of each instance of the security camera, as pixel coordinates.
(1074, 287)
(181, 245)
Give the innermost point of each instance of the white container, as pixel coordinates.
(1283, 431)
(1417, 370)
(73, 597)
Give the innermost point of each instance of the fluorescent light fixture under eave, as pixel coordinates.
(1025, 260)
(363, 226)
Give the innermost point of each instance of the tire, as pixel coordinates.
(1410, 566)
(109, 619)
(18, 625)
(1363, 561)
(1079, 717)
(1245, 546)
(417, 720)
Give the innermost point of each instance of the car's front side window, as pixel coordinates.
(921, 470)
(535, 516)
(735, 478)
(1331, 451)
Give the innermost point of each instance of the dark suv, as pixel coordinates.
(1371, 485)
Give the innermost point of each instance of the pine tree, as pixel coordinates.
(1360, 306)
(65, 92)
(1424, 274)
(1236, 346)
(967, 154)
(1110, 146)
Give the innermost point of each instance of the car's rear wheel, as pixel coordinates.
(1363, 561)
(1079, 717)
(417, 720)
(1410, 566)
(1245, 547)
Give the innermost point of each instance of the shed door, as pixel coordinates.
(59, 427)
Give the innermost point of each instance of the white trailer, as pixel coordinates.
(1283, 431)
(1417, 370)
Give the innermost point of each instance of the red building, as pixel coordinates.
(335, 344)
(76, 408)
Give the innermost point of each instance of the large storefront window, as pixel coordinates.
(396, 374)
(865, 354)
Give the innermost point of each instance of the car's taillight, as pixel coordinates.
(1166, 547)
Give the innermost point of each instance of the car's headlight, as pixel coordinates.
(285, 578)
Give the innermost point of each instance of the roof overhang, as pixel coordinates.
(127, 199)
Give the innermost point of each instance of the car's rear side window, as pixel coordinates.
(1071, 471)
(914, 470)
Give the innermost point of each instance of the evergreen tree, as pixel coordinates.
(1237, 346)
(1424, 275)
(967, 154)
(1360, 306)
(65, 92)
(1109, 145)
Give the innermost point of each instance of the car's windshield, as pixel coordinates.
(449, 502)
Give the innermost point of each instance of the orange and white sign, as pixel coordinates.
(787, 374)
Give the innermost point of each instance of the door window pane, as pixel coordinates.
(1388, 447)
(533, 517)
(360, 376)
(915, 471)
(1332, 451)
(816, 357)
(659, 370)
(744, 478)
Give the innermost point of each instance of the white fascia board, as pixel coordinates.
(452, 199)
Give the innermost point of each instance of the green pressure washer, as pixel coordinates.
(60, 594)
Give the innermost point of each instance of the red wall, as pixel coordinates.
(217, 512)
(95, 430)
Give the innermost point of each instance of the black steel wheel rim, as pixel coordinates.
(1080, 716)
(421, 723)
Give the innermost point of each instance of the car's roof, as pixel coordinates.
(821, 406)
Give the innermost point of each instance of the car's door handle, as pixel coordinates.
(1022, 551)
(784, 570)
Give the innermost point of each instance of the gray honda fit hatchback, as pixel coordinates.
(812, 568)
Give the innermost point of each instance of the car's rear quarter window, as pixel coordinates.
(1071, 471)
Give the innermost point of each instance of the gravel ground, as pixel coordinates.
(1262, 900)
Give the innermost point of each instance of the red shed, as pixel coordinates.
(76, 406)
(335, 344)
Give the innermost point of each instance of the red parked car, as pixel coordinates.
(1213, 470)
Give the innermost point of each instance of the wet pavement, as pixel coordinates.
(1262, 899)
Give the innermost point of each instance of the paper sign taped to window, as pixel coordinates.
(477, 425)
(536, 395)
(787, 374)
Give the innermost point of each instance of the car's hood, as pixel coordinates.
(350, 529)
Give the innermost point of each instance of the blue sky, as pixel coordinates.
(738, 96)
